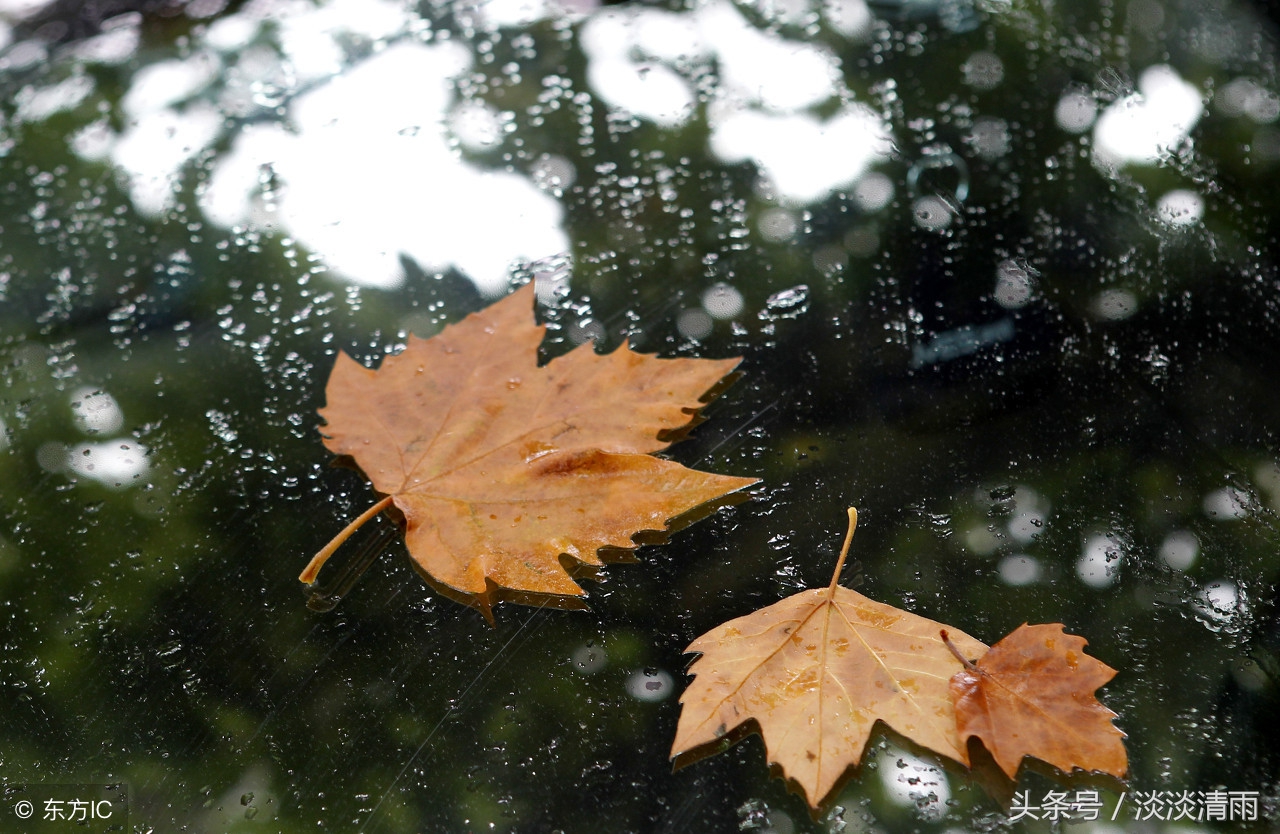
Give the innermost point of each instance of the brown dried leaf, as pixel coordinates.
(1032, 694)
(816, 671)
(500, 466)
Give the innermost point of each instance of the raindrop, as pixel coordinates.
(220, 425)
(786, 304)
(789, 578)
(940, 524)
(590, 659)
(650, 685)
(753, 815)
(1003, 494)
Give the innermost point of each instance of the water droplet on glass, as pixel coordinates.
(589, 659)
(786, 304)
(650, 685)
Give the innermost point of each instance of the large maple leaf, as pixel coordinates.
(816, 671)
(1032, 694)
(500, 466)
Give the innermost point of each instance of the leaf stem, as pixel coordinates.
(844, 551)
(969, 664)
(308, 575)
(325, 598)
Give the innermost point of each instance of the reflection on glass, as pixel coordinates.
(914, 781)
(1180, 549)
(1019, 569)
(1180, 207)
(1100, 560)
(1139, 128)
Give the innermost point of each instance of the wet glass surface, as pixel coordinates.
(1002, 275)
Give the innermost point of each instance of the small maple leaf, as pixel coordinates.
(500, 466)
(816, 671)
(1032, 694)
